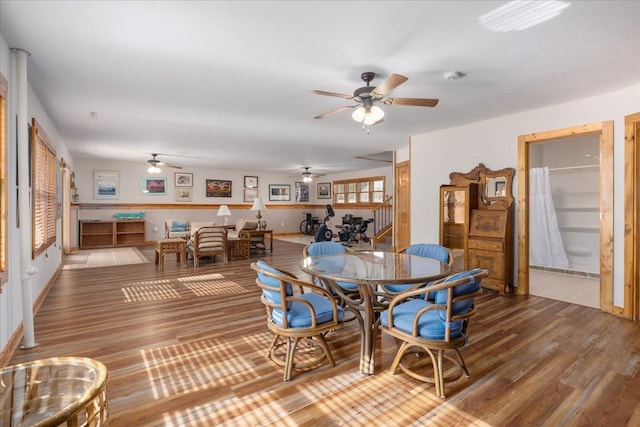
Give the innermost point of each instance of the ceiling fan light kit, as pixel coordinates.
(365, 111)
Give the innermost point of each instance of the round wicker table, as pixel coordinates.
(68, 391)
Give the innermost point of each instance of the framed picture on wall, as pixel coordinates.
(250, 182)
(218, 188)
(106, 185)
(183, 179)
(279, 192)
(154, 186)
(324, 190)
(250, 194)
(302, 192)
(183, 194)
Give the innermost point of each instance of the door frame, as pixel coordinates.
(631, 212)
(605, 132)
(398, 238)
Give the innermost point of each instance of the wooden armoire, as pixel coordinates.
(476, 223)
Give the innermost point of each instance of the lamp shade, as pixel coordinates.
(368, 116)
(224, 211)
(258, 205)
(154, 169)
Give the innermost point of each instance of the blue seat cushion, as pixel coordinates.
(325, 248)
(272, 296)
(465, 288)
(429, 251)
(430, 326)
(299, 316)
(178, 226)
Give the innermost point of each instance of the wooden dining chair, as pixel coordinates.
(426, 250)
(297, 313)
(433, 327)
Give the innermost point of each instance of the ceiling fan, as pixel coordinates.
(367, 96)
(154, 164)
(306, 175)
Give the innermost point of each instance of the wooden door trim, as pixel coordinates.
(605, 130)
(631, 211)
(396, 202)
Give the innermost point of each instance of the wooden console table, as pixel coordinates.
(250, 234)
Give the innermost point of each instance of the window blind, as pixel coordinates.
(43, 192)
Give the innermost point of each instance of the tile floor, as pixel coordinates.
(571, 288)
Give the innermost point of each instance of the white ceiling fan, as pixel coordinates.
(154, 164)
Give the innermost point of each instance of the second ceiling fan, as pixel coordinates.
(367, 96)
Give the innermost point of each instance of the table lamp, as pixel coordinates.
(258, 205)
(224, 212)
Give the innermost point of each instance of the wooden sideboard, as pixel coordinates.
(107, 234)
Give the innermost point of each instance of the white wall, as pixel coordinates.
(281, 220)
(46, 263)
(494, 143)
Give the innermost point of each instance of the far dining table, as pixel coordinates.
(367, 270)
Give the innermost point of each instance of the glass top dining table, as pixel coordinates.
(367, 270)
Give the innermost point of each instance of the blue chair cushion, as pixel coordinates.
(325, 248)
(299, 316)
(465, 288)
(272, 296)
(328, 265)
(427, 250)
(178, 226)
(430, 326)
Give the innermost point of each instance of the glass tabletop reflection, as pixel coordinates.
(371, 267)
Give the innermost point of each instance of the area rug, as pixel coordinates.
(109, 257)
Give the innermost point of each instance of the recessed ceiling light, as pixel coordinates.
(93, 115)
(518, 15)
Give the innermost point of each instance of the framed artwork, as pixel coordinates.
(154, 186)
(250, 182)
(250, 194)
(279, 192)
(106, 185)
(183, 179)
(302, 192)
(324, 190)
(218, 188)
(183, 194)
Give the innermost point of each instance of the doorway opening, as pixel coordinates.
(529, 157)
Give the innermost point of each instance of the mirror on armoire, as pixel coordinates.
(476, 223)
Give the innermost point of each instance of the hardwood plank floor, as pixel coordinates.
(186, 347)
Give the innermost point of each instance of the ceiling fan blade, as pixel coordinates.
(392, 82)
(416, 102)
(339, 95)
(337, 110)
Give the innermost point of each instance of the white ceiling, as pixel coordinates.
(224, 84)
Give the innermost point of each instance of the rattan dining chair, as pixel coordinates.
(433, 327)
(300, 314)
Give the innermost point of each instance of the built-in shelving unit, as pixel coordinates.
(107, 234)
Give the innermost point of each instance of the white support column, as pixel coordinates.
(27, 270)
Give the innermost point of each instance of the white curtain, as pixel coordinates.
(545, 242)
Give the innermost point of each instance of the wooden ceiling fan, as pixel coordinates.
(367, 96)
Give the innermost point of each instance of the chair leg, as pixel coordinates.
(325, 348)
(438, 374)
(292, 343)
(461, 363)
(398, 359)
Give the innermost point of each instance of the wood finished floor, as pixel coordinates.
(187, 347)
